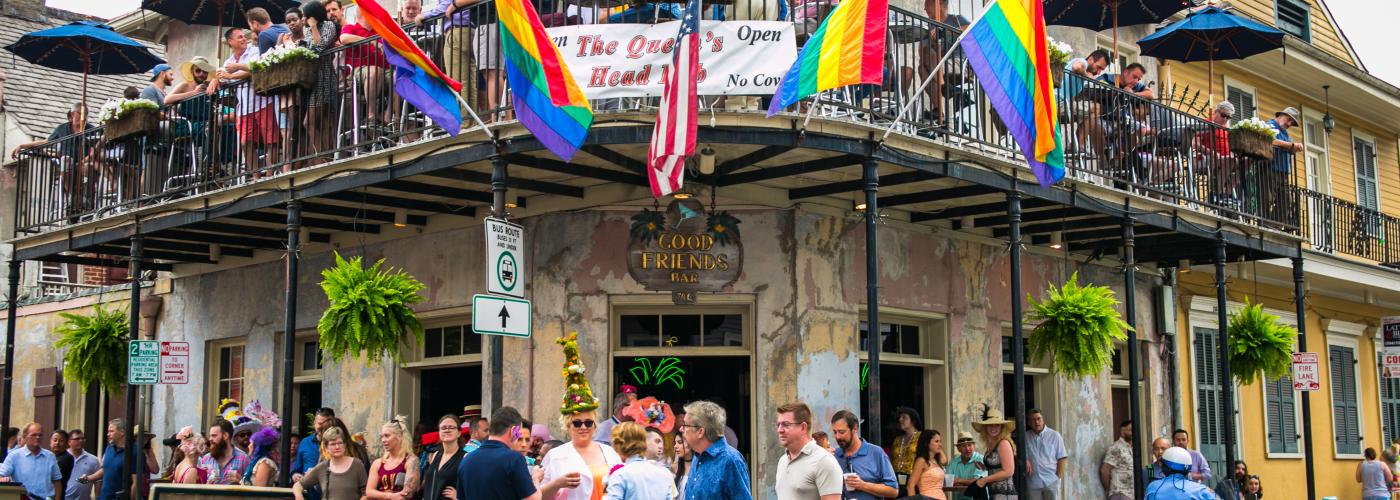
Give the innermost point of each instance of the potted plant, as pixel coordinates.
(95, 347)
(125, 118)
(282, 70)
(369, 313)
(1059, 57)
(1076, 326)
(1259, 343)
(1252, 137)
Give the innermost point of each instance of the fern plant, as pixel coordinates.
(1259, 343)
(369, 313)
(1076, 326)
(95, 347)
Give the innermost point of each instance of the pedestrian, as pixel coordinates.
(619, 407)
(12, 433)
(1200, 468)
(113, 460)
(58, 445)
(352, 448)
(1177, 485)
(1157, 469)
(521, 441)
(539, 434)
(308, 452)
(394, 474)
(718, 471)
(547, 446)
(806, 471)
(927, 481)
(225, 463)
(1253, 489)
(1373, 475)
(1116, 473)
(263, 469)
(680, 462)
(638, 478)
(902, 452)
(823, 441)
(84, 463)
(580, 467)
(176, 456)
(440, 472)
(194, 446)
(967, 467)
(1045, 449)
(1231, 486)
(656, 445)
(868, 473)
(340, 476)
(36, 468)
(1000, 458)
(495, 471)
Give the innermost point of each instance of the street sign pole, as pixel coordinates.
(133, 441)
(498, 209)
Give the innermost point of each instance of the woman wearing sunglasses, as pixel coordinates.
(578, 469)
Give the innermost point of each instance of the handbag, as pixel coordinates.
(975, 492)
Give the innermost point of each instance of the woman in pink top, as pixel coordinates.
(926, 479)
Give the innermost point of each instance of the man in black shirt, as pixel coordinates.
(58, 443)
(71, 156)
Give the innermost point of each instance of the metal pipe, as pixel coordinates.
(289, 334)
(1299, 301)
(13, 303)
(1018, 352)
(498, 210)
(1227, 398)
(1134, 370)
(871, 177)
(133, 431)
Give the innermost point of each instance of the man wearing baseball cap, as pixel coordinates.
(1274, 200)
(967, 466)
(161, 78)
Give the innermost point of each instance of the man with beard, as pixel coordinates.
(113, 460)
(1229, 488)
(869, 475)
(161, 78)
(1116, 473)
(225, 463)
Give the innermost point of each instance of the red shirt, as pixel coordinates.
(1220, 144)
(366, 53)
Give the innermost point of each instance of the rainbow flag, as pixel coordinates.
(548, 101)
(848, 48)
(416, 79)
(1007, 50)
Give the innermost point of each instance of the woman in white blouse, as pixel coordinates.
(578, 470)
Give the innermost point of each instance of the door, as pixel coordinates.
(48, 397)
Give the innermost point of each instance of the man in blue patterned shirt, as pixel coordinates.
(719, 471)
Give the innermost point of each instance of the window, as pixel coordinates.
(1210, 414)
(912, 368)
(443, 373)
(1119, 382)
(1346, 419)
(720, 329)
(1291, 16)
(1316, 139)
(1281, 416)
(306, 382)
(1042, 388)
(1366, 194)
(1243, 98)
(1390, 403)
(446, 341)
(225, 371)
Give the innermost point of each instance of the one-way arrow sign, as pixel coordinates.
(513, 316)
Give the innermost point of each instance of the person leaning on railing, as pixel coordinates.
(198, 108)
(70, 146)
(457, 54)
(1212, 156)
(1275, 199)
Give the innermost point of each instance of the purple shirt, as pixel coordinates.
(460, 18)
(1199, 465)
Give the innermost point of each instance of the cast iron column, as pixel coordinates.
(289, 335)
(1130, 308)
(871, 177)
(498, 210)
(133, 431)
(1227, 398)
(1018, 352)
(13, 303)
(1299, 297)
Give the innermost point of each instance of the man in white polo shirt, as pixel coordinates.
(805, 471)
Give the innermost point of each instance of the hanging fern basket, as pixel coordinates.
(95, 347)
(1076, 327)
(369, 313)
(1259, 344)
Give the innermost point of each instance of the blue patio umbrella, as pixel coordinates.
(1099, 15)
(1211, 34)
(85, 47)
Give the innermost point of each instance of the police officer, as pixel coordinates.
(1176, 485)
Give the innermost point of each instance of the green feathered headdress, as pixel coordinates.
(578, 396)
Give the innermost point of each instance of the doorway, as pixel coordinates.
(444, 391)
(677, 380)
(308, 398)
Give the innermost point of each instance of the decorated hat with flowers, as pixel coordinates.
(232, 411)
(652, 412)
(578, 396)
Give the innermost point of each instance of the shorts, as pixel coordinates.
(282, 120)
(488, 47)
(260, 125)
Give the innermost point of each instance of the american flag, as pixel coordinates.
(673, 138)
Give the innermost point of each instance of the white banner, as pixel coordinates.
(1390, 334)
(628, 60)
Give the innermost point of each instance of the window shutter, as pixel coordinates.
(1277, 438)
(1292, 18)
(1208, 392)
(1243, 101)
(1366, 194)
(1390, 404)
(1282, 412)
(1345, 426)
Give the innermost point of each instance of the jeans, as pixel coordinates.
(1050, 493)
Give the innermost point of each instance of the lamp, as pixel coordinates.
(707, 161)
(681, 195)
(400, 217)
(1329, 123)
(1057, 240)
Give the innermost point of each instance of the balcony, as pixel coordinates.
(1118, 147)
(1338, 226)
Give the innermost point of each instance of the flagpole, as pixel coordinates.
(470, 111)
(938, 68)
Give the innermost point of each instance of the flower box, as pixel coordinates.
(137, 122)
(285, 76)
(1251, 143)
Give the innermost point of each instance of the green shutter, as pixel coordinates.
(1390, 404)
(1209, 411)
(1283, 424)
(1346, 426)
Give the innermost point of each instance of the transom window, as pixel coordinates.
(455, 340)
(718, 329)
(231, 372)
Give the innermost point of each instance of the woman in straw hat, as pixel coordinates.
(1001, 454)
(577, 470)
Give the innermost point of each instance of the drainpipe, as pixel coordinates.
(150, 307)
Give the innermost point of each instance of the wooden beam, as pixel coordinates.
(623, 161)
(397, 202)
(545, 187)
(435, 190)
(589, 171)
(946, 194)
(752, 158)
(790, 170)
(334, 225)
(856, 185)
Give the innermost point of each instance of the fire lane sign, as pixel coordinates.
(143, 362)
(1305, 373)
(505, 258)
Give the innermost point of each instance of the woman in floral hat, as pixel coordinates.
(193, 445)
(578, 469)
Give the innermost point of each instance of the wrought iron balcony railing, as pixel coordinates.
(1338, 226)
(227, 137)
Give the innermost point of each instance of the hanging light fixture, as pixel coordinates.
(707, 161)
(1329, 123)
(1057, 240)
(400, 217)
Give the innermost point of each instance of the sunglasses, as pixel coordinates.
(588, 424)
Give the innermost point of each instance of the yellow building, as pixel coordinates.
(1351, 173)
